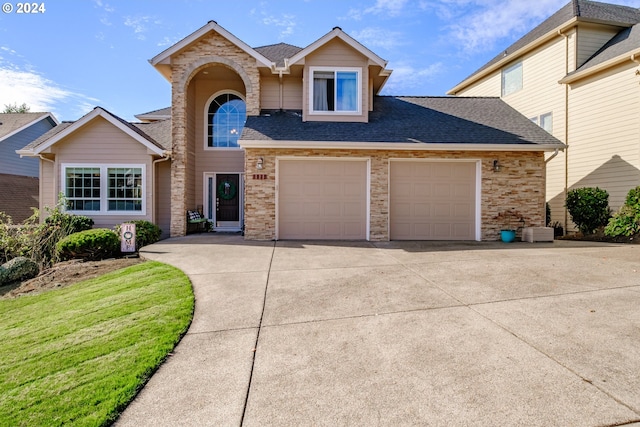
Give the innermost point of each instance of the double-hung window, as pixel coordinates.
(104, 189)
(335, 91)
(512, 79)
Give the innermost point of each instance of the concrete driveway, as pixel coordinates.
(417, 333)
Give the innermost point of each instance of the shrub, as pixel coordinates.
(146, 232)
(626, 222)
(589, 208)
(19, 268)
(94, 244)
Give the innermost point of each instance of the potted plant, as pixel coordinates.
(510, 221)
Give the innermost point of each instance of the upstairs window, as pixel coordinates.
(546, 122)
(226, 117)
(335, 91)
(512, 79)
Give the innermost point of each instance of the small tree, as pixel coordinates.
(589, 208)
(15, 108)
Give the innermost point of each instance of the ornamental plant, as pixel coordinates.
(589, 208)
(626, 222)
(94, 244)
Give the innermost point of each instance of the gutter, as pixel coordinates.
(600, 67)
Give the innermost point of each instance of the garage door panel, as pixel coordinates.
(333, 196)
(432, 200)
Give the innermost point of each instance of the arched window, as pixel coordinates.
(225, 120)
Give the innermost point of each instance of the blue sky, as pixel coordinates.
(81, 53)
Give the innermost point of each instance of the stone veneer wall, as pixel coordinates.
(519, 185)
(211, 49)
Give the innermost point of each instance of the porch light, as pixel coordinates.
(496, 165)
(260, 163)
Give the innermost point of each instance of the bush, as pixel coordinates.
(146, 232)
(94, 244)
(589, 208)
(626, 222)
(19, 268)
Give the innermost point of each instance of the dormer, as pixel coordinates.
(340, 78)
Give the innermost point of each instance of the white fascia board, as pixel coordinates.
(31, 123)
(404, 146)
(86, 119)
(336, 32)
(633, 56)
(163, 57)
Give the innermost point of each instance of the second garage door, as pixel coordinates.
(432, 200)
(322, 199)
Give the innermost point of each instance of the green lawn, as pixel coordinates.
(78, 355)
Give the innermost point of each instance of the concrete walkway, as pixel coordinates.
(455, 334)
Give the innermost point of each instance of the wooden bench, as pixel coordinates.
(195, 222)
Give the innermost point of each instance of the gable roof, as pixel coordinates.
(278, 52)
(429, 123)
(65, 129)
(13, 123)
(566, 17)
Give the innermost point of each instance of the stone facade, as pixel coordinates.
(211, 49)
(518, 186)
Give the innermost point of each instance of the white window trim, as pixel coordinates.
(103, 187)
(358, 72)
(502, 78)
(205, 137)
(550, 115)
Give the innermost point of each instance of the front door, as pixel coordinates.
(224, 195)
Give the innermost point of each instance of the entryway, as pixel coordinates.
(223, 200)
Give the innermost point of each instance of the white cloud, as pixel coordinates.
(390, 8)
(479, 24)
(405, 77)
(18, 86)
(140, 24)
(286, 22)
(378, 38)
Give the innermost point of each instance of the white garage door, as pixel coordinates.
(322, 199)
(432, 200)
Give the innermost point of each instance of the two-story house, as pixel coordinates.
(576, 75)
(19, 184)
(283, 142)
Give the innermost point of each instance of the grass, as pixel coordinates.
(78, 355)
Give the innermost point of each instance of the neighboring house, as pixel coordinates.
(107, 169)
(577, 75)
(284, 142)
(19, 176)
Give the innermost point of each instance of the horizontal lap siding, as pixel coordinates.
(590, 40)
(604, 136)
(100, 142)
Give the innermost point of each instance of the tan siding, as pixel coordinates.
(604, 135)
(590, 40)
(100, 142)
(292, 93)
(336, 53)
(488, 86)
(269, 93)
(48, 187)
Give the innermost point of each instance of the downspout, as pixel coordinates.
(566, 129)
(166, 156)
(280, 83)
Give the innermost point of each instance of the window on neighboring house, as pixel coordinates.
(226, 117)
(335, 91)
(546, 122)
(512, 79)
(104, 189)
(534, 119)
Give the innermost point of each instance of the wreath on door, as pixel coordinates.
(227, 190)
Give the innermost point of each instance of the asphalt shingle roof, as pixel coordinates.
(583, 9)
(624, 42)
(10, 122)
(278, 52)
(159, 131)
(442, 120)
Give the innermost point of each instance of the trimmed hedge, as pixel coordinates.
(626, 222)
(589, 208)
(94, 244)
